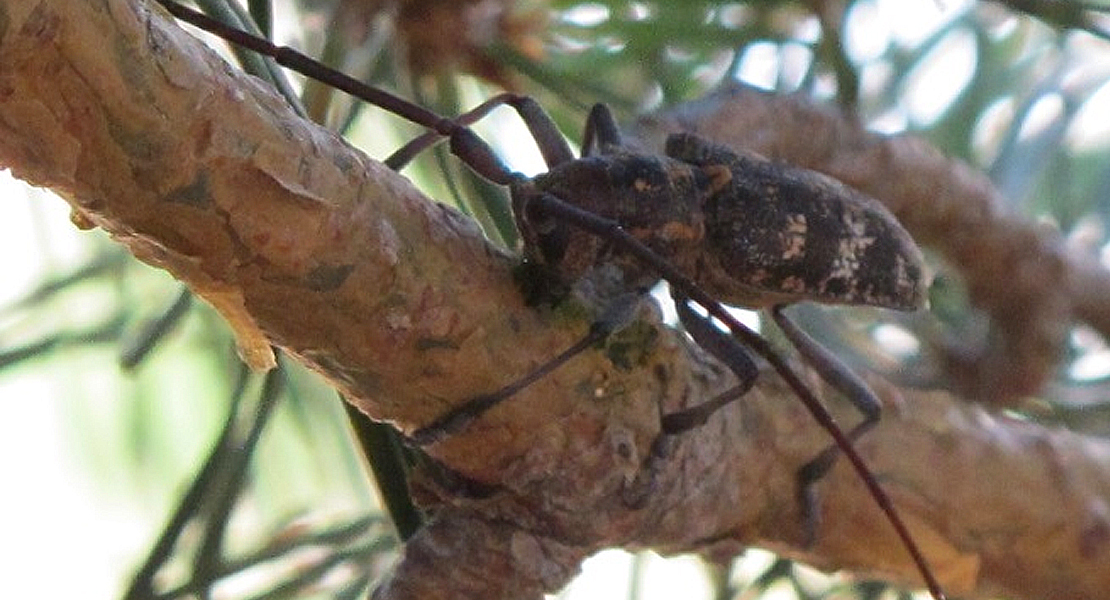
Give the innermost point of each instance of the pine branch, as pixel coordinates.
(301, 241)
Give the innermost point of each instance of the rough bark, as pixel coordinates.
(301, 241)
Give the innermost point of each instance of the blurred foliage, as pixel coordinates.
(158, 402)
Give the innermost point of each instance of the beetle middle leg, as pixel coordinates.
(730, 352)
(725, 349)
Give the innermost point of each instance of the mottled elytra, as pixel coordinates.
(716, 224)
(750, 232)
(780, 234)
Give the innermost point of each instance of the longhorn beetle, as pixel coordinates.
(711, 221)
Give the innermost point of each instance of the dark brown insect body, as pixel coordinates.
(750, 232)
(716, 224)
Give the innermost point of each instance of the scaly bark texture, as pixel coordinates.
(301, 241)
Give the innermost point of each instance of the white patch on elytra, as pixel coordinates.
(847, 262)
(794, 237)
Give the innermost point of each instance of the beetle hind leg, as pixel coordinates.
(844, 380)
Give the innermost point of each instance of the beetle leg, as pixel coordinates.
(613, 317)
(459, 417)
(847, 383)
(836, 373)
(552, 145)
(550, 141)
(727, 350)
(602, 134)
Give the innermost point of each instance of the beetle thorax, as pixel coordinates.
(656, 199)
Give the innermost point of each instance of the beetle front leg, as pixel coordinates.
(550, 141)
(459, 417)
(613, 317)
(602, 134)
